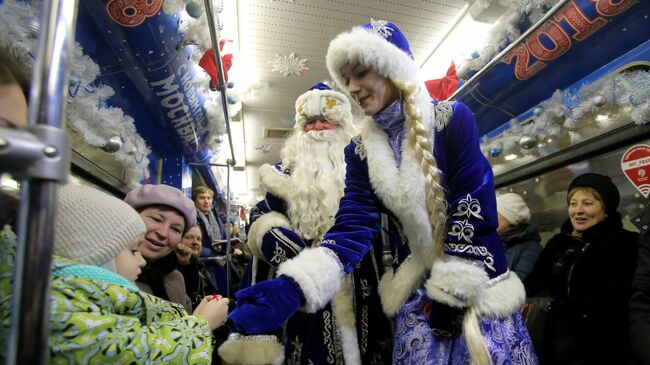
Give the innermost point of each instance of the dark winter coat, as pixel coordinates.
(522, 249)
(640, 301)
(591, 280)
(162, 279)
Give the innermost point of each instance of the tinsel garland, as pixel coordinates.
(196, 34)
(88, 110)
(561, 113)
(506, 29)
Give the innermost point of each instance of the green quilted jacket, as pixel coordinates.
(97, 316)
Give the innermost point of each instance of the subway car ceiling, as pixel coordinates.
(554, 85)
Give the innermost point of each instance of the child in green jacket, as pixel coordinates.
(100, 316)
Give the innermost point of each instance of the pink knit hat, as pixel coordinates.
(147, 195)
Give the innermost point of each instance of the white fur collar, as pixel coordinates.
(401, 189)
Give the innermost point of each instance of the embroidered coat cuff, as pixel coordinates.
(262, 225)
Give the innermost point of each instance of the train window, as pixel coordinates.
(593, 124)
(546, 194)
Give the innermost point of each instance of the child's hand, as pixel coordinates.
(214, 309)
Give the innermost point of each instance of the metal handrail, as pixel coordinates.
(221, 86)
(512, 45)
(29, 333)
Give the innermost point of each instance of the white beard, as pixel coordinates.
(317, 165)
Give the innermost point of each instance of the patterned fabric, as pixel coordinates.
(97, 321)
(376, 185)
(280, 244)
(317, 338)
(7, 259)
(507, 339)
(94, 321)
(391, 121)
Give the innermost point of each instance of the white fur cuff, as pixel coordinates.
(260, 227)
(252, 350)
(319, 274)
(455, 283)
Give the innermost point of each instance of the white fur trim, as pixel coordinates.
(395, 288)
(314, 102)
(319, 274)
(252, 350)
(342, 307)
(261, 226)
(275, 182)
(363, 46)
(456, 283)
(501, 299)
(401, 189)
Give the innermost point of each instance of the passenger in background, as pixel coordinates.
(213, 233)
(639, 317)
(588, 269)
(97, 314)
(197, 279)
(521, 239)
(167, 214)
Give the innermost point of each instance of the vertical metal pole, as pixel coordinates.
(28, 340)
(222, 81)
(228, 233)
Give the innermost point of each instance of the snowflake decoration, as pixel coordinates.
(381, 27)
(289, 65)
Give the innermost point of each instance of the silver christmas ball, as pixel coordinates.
(194, 9)
(537, 111)
(113, 144)
(527, 142)
(599, 100)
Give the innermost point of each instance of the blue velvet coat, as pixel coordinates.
(383, 209)
(352, 328)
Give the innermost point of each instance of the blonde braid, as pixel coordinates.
(437, 208)
(423, 145)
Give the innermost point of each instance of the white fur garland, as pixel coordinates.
(506, 29)
(88, 112)
(566, 110)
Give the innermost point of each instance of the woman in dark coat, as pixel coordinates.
(588, 269)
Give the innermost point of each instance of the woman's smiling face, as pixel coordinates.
(585, 210)
(164, 231)
(372, 91)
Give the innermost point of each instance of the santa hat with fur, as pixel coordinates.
(322, 100)
(379, 45)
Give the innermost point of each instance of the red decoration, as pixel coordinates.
(441, 89)
(209, 64)
(635, 163)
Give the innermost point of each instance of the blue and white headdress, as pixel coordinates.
(322, 100)
(379, 45)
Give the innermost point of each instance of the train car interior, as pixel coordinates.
(202, 92)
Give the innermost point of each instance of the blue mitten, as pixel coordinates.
(445, 320)
(280, 244)
(265, 306)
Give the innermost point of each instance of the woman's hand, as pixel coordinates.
(183, 253)
(213, 309)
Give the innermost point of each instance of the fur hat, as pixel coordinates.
(322, 100)
(379, 45)
(513, 208)
(147, 195)
(603, 185)
(92, 227)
